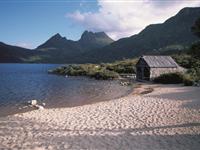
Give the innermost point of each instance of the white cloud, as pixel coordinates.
(122, 18)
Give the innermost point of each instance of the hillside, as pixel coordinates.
(172, 35)
(15, 54)
(87, 42)
(56, 49)
(174, 32)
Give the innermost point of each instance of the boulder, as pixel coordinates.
(39, 107)
(33, 102)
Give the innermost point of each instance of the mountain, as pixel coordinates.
(88, 41)
(15, 54)
(56, 49)
(10, 53)
(55, 42)
(68, 51)
(174, 32)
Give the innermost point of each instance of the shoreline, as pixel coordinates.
(166, 118)
(18, 108)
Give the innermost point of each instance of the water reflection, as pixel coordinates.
(22, 82)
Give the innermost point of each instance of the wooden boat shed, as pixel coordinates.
(149, 67)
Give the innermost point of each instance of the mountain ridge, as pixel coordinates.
(88, 39)
(174, 33)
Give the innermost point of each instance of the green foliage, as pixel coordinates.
(105, 74)
(183, 60)
(191, 60)
(125, 66)
(98, 71)
(170, 78)
(195, 73)
(195, 50)
(188, 80)
(175, 78)
(196, 28)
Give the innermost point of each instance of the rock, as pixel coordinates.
(25, 107)
(39, 107)
(33, 102)
(125, 83)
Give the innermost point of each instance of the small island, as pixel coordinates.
(103, 71)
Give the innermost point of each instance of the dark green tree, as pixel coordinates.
(195, 48)
(196, 28)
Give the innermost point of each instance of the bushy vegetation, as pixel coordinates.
(169, 78)
(192, 64)
(105, 74)
(174, 78)
(185, 60)
(188, 80)
(196, 28)
(195, 50)
(125, 66)
(98, 71)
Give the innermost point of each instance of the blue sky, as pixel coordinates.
(28, 23)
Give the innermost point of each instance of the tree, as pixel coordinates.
(195, 48)
(196, 28)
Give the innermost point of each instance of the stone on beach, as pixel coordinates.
(39, 107)
(33, 102)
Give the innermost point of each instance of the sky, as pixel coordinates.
(29, 23)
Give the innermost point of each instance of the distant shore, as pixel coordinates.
(152, 117)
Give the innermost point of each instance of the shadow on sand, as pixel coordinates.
(189, 94)
(123, 139)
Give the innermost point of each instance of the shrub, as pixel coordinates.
(188, 81)
(105, 74)
(184, 60)
(99, 71)
(125, 66)
(175, 78)
(170, 78)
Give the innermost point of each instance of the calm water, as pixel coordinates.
(20, 83)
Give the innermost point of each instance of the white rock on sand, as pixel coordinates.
(33, 102)
(167, 118)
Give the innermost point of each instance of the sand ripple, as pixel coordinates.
(167, 118)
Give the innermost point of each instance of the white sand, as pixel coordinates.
(167, 118)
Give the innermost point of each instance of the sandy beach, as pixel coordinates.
(168, 118)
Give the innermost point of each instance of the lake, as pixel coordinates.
(20, 83)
